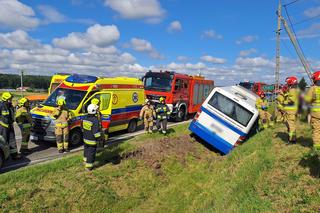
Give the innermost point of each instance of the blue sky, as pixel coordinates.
(227, 41)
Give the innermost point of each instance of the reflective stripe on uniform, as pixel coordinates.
(90, 142)
(62, 124)
(27, 125)
(4, 124)
(98, 134)
(87, 125)
(89, 165)
(290, 107)
(5, 112)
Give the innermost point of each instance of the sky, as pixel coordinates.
(228, 41)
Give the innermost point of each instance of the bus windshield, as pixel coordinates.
(231, 108)
(157, 83)
(73, 97)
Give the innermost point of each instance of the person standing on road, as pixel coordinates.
(147, 113)
(265, 118)
(62, 116)
(280, 104)
(24, 120)
(163, 113)
(6, 124)
(91, 136)
(313, 97)
(291, 103)
(101, 142)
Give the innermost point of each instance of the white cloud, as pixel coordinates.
(244, 53)
(247, 39)
(51, 14)
(137, 9)
(312, 12)
(142, 45)
(182, 58)
(17, 39)
(254, 62)
(174, 26)
(213, 60)
(312, 31)
(96, 35)
(211, 34)
(15, 15)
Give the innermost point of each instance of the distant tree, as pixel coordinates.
(10, 81)
(302, 84)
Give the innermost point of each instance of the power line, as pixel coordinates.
(308, 19)
(291, 3)
(287, 48)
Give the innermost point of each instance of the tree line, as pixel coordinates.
(12, 81)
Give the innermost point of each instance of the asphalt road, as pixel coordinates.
(45, 151)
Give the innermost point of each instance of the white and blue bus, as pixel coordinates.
(226, 118)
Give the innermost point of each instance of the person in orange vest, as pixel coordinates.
(291, 103)
(62, 116)
(313, 97)
(265, 118)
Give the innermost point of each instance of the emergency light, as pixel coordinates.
(81, 79)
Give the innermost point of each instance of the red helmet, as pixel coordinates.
(316, 76)
(261, 93)
(292, 80)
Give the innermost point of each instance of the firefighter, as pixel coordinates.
(313, 97)
(147, 113)
(265, 118)
(91, 136)
(24, 120)
(163, 113)
(6, 124)
(102, 140)
(62, 116)
(280, 99)
(291, 107)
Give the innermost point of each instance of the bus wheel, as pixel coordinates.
(75, 138)
(132, 126)
(181, 114)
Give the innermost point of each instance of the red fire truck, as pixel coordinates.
(184, 94)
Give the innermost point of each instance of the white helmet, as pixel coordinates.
(92, 109)
(146, 101)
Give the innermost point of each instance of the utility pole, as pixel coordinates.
(297, 48)
(21, 82)
(277, 74)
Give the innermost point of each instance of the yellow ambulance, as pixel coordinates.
(121, 100)
(56, 80)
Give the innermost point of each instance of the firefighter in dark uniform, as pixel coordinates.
(102, 140)
(91, 136)
(163, 113)
(24, 120)
(6, 124)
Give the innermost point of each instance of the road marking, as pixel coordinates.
(50, 158)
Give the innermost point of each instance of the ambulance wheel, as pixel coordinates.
(181, 114)
(75, 138)
(1, 159)
(132, 127)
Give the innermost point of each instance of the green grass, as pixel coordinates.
(262, 175)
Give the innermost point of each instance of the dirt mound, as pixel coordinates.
(154, 153)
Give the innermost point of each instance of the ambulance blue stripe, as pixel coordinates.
(127, 109)
(210, 137)
(220, 120)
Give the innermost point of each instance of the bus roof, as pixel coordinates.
(241, 92)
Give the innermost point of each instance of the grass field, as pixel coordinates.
(174, 174)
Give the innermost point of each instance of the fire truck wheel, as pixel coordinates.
(75, 138)
(181, 114)
(132, 126)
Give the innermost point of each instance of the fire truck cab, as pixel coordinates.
(184, 94)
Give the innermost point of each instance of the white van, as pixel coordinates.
(226, 118)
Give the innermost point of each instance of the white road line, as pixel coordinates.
(55, 157)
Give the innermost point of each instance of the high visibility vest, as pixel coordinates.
(261, 102)
(313, 97)
(291, 101)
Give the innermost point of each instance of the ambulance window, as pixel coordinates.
(105, 101)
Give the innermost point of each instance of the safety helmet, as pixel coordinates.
(292, 80)
(161, 99)
(261, 93)
(92, 109)
(95, 101)
(146, 101)
(6, 96)
(316, 76)
(61, 102)
(23, 101)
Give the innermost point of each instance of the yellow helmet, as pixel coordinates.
(6, 96)
(61, 102)
(95, 101)
(22, 101)
(161, 99)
